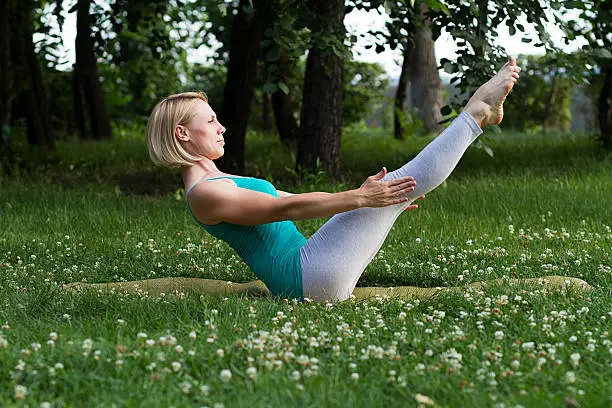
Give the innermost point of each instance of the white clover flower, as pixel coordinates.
(575, 359)
(352, 366)
(302, 359)
(515, 365)
(428, 353)
(20, 392)
(251, 372)
(193, 335)
(150, 343)
(355, 376)
(3, 342)
(528, 345)
(499, 335)
(141, 335)
(220, 353)
(121, 322)
(87, 345)
(205, 390)
(185, 387)
(295, 375)
(572, 339)
(179, 348)
(225, 375)
(176, 366)
(570, 377)
(59, 366)
(53, 336)
(45, 404)
(418, 241)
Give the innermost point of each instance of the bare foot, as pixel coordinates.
(486, 106)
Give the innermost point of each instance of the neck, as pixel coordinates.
(199, 170)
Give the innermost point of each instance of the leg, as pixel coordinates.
(334, 257)
(168, 286)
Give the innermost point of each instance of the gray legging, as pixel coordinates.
(335, 256)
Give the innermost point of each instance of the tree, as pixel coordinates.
(6, 77)
(88, 81)
(283, 43)
(147, 57)
(425, 84)
(241, 71)
(409, 30)
(37, 113)
(595, 26)
(321, 116)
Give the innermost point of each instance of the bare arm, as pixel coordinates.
(213, 202)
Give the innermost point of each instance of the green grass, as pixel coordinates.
(540, 207)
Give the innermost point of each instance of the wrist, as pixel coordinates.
(356, 199)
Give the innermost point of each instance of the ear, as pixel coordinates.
(180, 132)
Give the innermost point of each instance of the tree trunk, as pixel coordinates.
(481, 29)
(321, 116)
(6, 77)
(87, 71)
(77, 104)
(37, 112)
(238, 91)
(399, 116)
(265, 111)
(282, 104)
(425, 85)
(605, 109)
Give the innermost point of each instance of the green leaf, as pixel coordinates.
(449, 68)
(283, 88)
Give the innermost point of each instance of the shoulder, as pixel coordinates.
(207, 196)
(209, 189)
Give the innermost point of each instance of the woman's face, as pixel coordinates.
(205, 133)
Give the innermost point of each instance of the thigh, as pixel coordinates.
(335, 256)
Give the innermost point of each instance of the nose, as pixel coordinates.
(221, 129)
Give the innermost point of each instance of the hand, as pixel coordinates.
(377, 193)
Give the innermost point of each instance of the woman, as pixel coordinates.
(255, 219)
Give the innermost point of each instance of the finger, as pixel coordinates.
(403, 186)
(402, 179)
(419, 198)
(381, 174)
(411, 207)
(400, 200)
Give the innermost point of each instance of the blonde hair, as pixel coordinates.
(174, 110)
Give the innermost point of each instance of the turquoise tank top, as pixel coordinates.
(272, 251)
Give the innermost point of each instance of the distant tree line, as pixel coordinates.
(292, 56)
